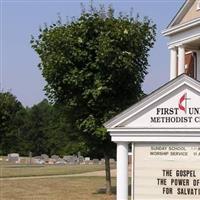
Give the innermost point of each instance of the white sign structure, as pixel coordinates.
(164, 129)
(172, 171)
(181, 110)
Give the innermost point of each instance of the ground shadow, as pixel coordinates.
(114, 190)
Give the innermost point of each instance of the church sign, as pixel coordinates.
(167, 171)
(164, 129)
(174, 110)
(182, 113)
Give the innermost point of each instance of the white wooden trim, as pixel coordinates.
(181, 27)
(183, 41)
(155, 139)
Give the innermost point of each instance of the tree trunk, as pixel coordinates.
(108, 176)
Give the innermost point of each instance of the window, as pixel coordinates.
(191, 64)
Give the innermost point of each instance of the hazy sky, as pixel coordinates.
(21, 19)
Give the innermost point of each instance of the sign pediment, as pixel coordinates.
(179, 109)
(176, 105)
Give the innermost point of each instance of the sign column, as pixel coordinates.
(122, 171)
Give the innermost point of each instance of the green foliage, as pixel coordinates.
(9, 109)
(95, 66)
(40, 129)
(49, 131)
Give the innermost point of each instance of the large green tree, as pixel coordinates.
(95, 66)
(9, 109)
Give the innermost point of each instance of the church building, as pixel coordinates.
(164, 127)
(184, 40)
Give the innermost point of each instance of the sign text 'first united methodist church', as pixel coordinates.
(180, 113)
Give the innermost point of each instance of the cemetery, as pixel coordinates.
(56, 160)
(25, 175)
(25, 169)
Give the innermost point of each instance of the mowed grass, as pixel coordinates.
(38, 170)
(52, 188)
(69, 188)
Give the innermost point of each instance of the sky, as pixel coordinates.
(19, 20)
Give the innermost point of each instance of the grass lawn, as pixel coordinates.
(21, 170)
(70, 188)
(38, 170)
(43, 170)
(57, 188)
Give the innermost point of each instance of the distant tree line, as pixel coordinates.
(43, 128)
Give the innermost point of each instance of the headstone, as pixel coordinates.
(71, 159)
(102, 161)
(95, 161)
(39, 161)
(45, 157)
(37, 157)
(60, 162)
(112, 161)
(74, 160)
(87, 158)
(14, 157)
(80, 159)
(67, 158)
(55, 157)
(51, 161)
(87, 161)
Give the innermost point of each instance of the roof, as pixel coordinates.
(184, 19)
(182, 11)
